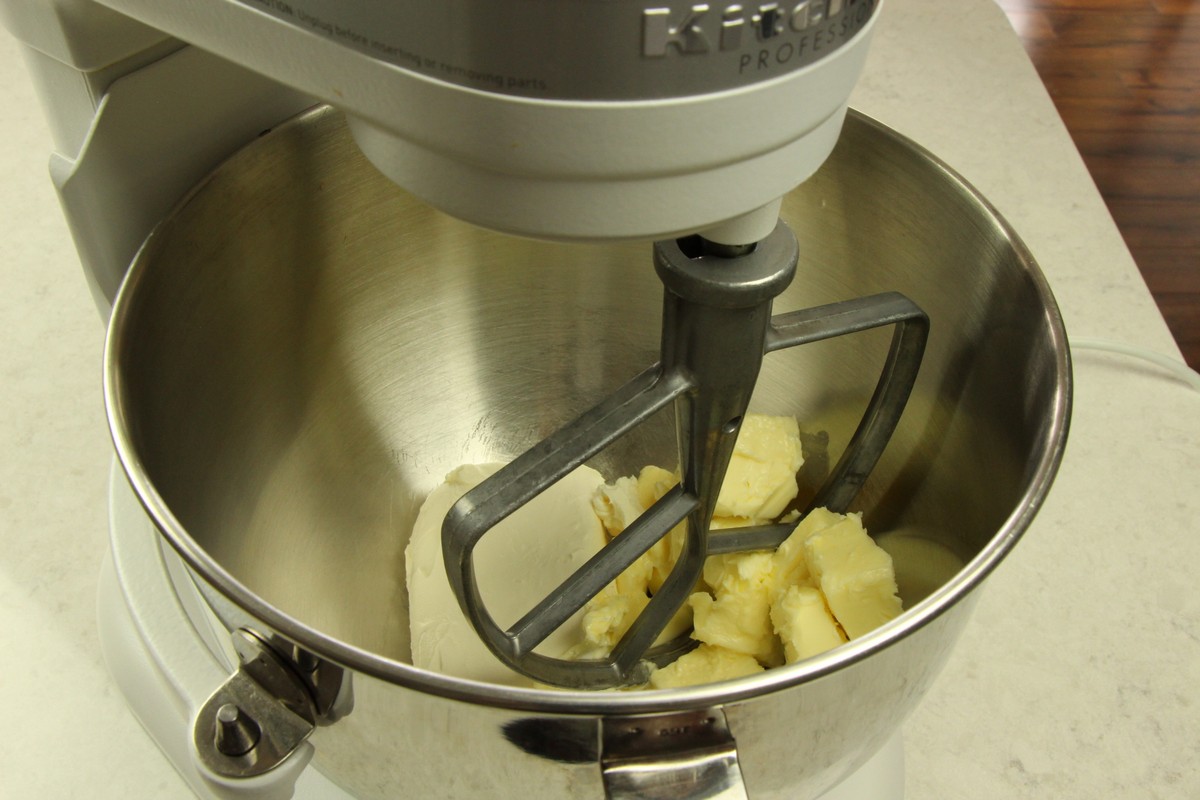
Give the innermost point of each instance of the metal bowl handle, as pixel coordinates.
(671, 757)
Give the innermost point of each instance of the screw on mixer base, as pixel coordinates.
(236, 732)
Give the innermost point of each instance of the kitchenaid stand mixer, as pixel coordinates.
(606, 121)
(700, 120)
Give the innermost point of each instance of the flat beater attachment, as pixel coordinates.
(716, 328)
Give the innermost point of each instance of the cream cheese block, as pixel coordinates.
(517, 563)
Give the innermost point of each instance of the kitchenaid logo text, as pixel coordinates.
(702, 28)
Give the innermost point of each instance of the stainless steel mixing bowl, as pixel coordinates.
(301, 351)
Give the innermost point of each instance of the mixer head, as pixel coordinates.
(716, 328)
(568, 120)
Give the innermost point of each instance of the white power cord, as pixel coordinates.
(1176, 367)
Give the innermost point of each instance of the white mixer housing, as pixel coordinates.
(562, 120)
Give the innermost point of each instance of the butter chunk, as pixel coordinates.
(855, 575)
(617, 504)
(654, 482)
(610, 614)
(706, 664)
(790, 566)
(735, 618)
(804, 623)
(737, 615)
(761, 479)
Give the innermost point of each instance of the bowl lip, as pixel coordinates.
(575, 702)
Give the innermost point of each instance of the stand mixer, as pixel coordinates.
(610, 122)
(607, 121)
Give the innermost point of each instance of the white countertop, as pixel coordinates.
(1079, 676)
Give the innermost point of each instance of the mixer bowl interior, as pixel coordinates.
(302, 351)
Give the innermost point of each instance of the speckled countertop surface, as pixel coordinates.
(1079, 676)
